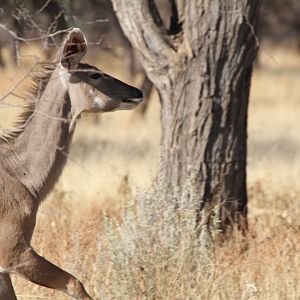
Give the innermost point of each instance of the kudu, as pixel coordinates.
(32, 159)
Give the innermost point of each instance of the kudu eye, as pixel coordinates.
(95, 76)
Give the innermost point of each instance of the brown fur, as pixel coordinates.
(33, 156)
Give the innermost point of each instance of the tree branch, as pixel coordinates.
(142, 29)
(155, 13)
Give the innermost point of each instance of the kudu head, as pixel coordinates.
(91, 90)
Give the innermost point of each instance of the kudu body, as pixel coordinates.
(32, 159)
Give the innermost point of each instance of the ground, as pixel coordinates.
(118, 152)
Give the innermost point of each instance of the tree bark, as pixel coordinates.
(202, 72)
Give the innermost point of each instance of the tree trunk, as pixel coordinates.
(202, 69)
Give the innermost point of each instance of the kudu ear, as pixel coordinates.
(73, 49)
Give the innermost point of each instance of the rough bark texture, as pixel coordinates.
(202, 69)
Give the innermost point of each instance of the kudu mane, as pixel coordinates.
(33, 92)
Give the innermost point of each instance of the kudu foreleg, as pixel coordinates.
(6, 289)
(38, 270)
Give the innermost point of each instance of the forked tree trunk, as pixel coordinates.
(202, 68)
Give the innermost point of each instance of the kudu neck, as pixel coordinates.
(40, 151)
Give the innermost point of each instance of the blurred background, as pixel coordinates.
(117, 147)
(116, 153)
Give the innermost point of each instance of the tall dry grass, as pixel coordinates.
(125, 240)
(149, 249)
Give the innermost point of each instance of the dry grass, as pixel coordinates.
(146, 257)
(152, 253)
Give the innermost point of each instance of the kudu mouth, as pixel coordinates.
(135, 99)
